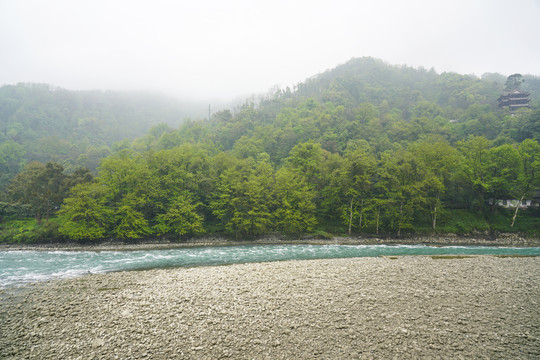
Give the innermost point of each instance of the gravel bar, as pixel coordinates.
(410, 307)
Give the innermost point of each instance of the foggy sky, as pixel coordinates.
(208, 49)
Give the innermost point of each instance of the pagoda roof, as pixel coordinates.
(515, 92)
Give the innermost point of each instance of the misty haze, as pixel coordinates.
(368, 172)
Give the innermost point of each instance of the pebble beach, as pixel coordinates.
(407, 307)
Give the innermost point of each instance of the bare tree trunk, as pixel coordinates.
(400, 218)
(377, 222)
(38, 217)
(517, 208)
(435, 214)
(350, 215)
(435, 218)
(361, 213)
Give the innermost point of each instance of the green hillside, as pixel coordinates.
(39, 122)
(365, 148)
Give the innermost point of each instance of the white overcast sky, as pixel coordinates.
(211, 49)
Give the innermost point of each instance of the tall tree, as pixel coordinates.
(130, 223)
(505, 169)
(474, 167)
(181, 217)
(41, 186)
(11, 160)
(438, 160)
(356, 176)
(403, 179)
(529, 152)
(85, 214)
(295, 210)
(513, 82)
(244, 197)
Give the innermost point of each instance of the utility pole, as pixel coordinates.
(208, 112)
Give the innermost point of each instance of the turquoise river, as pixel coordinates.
(22, 267)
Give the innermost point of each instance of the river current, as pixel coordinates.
(21, 267)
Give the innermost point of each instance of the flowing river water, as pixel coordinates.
(21, 267)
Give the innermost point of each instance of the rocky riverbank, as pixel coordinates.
(148, 244)
(392, 307)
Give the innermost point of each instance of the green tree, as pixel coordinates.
(318, 166)
(258, 191)
(85, 215)
(41, 186)
(307, 158)
(438, 160)
(181, 217)
(505, 169)
(474, 168)
(513, 82)
(11, 161)
(130, 223)
(295, 210)
(130, 183)
(529, 178)
(248, 147)
(79, 176)
(182, 171)
(527, 126)
(401, 179)
(244, 197)
(355, 177)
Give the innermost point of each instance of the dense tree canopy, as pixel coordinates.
(42, 123)
(364, 148)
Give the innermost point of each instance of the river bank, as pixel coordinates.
(162, 243)
(399, 307)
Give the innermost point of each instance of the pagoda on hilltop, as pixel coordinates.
(514, 100)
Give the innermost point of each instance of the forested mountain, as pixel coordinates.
(363, 99)
(76, 128)
(365, 148)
